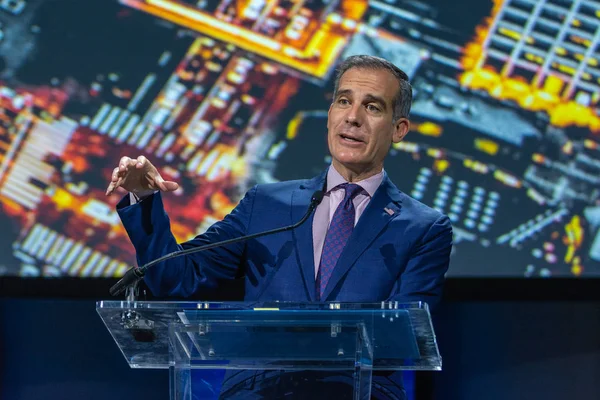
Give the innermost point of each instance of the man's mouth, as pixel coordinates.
(351, 138)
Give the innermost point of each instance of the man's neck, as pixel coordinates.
(355, 175)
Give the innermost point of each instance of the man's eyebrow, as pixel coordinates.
(344, 92)
(376, 99)
(368, 98)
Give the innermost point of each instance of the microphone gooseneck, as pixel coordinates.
(133, 275)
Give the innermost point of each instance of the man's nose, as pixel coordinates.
(354, 115)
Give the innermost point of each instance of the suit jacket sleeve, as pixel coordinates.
(423, 277)
(148, 227)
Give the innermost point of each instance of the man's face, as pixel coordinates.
(360, 126)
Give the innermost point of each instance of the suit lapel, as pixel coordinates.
(383, 207)
(303, 235)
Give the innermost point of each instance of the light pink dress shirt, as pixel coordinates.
(331, 201)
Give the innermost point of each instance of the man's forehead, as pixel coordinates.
(371, 77)
(374, 83)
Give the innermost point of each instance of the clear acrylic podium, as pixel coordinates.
(355, 337)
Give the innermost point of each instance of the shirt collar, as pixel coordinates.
(370, 185)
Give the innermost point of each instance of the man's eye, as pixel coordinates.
(371, 107)
(343, 101)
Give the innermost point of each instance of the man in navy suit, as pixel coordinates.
(366, 241)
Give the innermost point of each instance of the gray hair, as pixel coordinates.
(403, 99)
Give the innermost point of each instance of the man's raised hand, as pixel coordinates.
(139, 176)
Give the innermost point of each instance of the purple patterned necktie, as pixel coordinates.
(338, 233)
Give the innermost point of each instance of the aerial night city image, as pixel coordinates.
(223, 95)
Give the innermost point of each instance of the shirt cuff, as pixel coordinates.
(136, 198)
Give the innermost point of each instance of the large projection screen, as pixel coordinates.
(222, 95)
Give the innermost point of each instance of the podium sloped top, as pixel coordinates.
(273, 335)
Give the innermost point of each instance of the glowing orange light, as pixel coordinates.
(441, 166)
(487, 146)
(538, 158)
(293, 126)
(63, 199)
(542, 93)
(435, 153)
(318, 45)
(510, 33)
(222, 203)
(507, 179)
(428, 129)
(590, 144)
(568, 147)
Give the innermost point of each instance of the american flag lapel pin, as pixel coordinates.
(389, 210)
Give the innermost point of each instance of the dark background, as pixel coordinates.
(542, 346)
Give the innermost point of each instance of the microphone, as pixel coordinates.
(134, 275)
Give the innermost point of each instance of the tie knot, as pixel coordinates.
(352, 189)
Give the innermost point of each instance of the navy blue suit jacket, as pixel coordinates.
(403, 256)
(400, 256)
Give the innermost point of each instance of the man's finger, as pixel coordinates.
(124, 161)
(113, 186)
(110, 188)
(160, 183)
(165, 186)
(170, 186)
(155, 181)
(119, 182)
(141, 160)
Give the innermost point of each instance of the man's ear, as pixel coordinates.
(401, 128)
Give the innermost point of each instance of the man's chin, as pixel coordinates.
(347, 162)
(351, 164)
